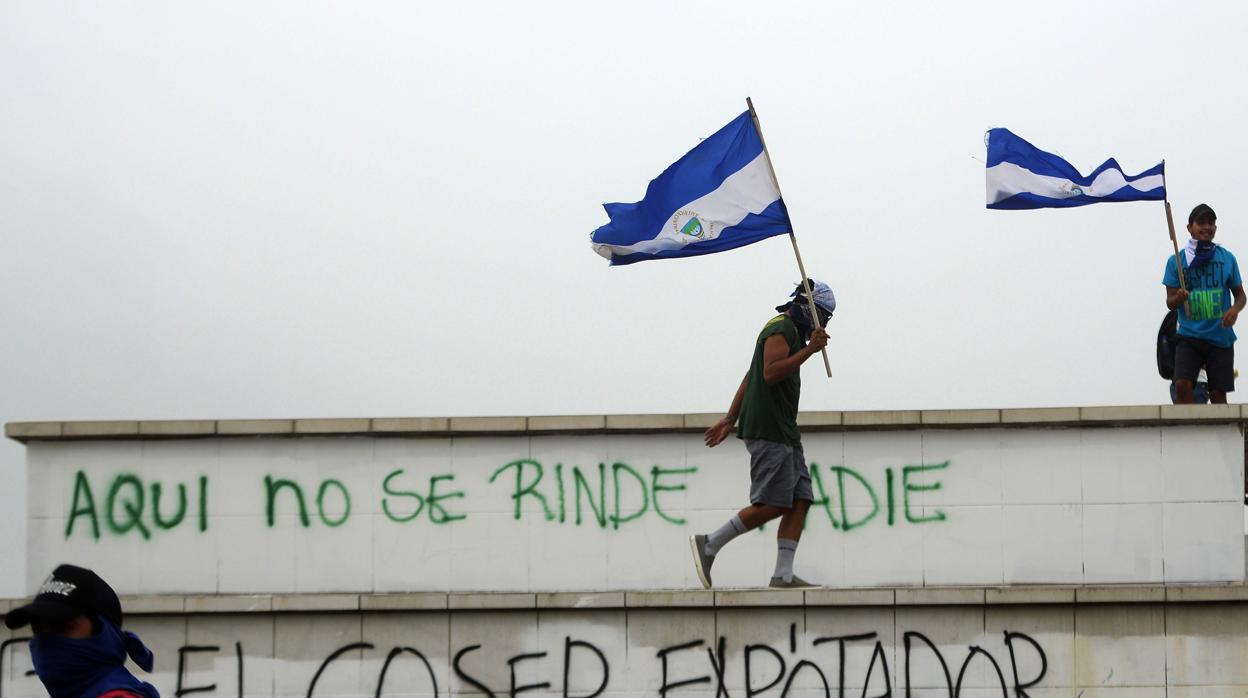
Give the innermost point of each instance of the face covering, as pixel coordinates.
(801, 318)
(73, 668)
(1199, 252)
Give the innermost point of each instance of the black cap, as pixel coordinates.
(1201, 211)
(68, 592)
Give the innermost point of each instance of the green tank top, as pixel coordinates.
(770, 411)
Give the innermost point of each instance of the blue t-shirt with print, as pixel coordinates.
(1210, 287)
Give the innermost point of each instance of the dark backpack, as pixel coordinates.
(1167, 338)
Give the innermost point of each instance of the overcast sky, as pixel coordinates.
(312, 209)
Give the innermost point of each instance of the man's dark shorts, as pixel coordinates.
(1219, 363)
(778, 473)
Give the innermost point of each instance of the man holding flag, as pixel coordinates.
(766, 404)
(1206, 313)
(1199, 282)
(720, 196)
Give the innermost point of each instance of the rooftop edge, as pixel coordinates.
(1098, 416)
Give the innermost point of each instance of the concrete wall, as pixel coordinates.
(1090, 650)
(12, 519)
(1013, 504)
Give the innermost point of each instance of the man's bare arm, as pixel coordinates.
(778, 365)
(1232, 314)
(721, 429)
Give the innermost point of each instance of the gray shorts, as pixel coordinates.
(778, 473)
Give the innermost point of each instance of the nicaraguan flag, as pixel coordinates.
(1020, 175)
(720, 195)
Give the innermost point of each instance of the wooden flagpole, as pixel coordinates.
(801, 268)
(1175, 241)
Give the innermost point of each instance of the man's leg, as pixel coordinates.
(792, 523)
(1188, 360)
(705, 548)
(747, 519)
(1220, 372)
(771, 479)
(1182, 392)
(790, 533)
(756, 515)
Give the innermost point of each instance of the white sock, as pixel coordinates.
(785, 551)
(720, 536)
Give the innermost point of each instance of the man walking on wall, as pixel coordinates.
(766, 403)
(1206, 313)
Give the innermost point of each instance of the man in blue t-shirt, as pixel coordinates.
(1206, 313)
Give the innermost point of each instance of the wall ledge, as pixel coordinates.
(166, 604)
(429, 427)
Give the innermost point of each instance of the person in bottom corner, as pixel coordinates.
(1206, 311)
(79, 649)
(766, 403)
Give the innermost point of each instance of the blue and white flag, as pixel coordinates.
(719, 196)
(1020, 175)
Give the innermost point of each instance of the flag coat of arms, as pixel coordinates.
(719, 196)
(1021, 176)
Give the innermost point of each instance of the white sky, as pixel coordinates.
(314, 209)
